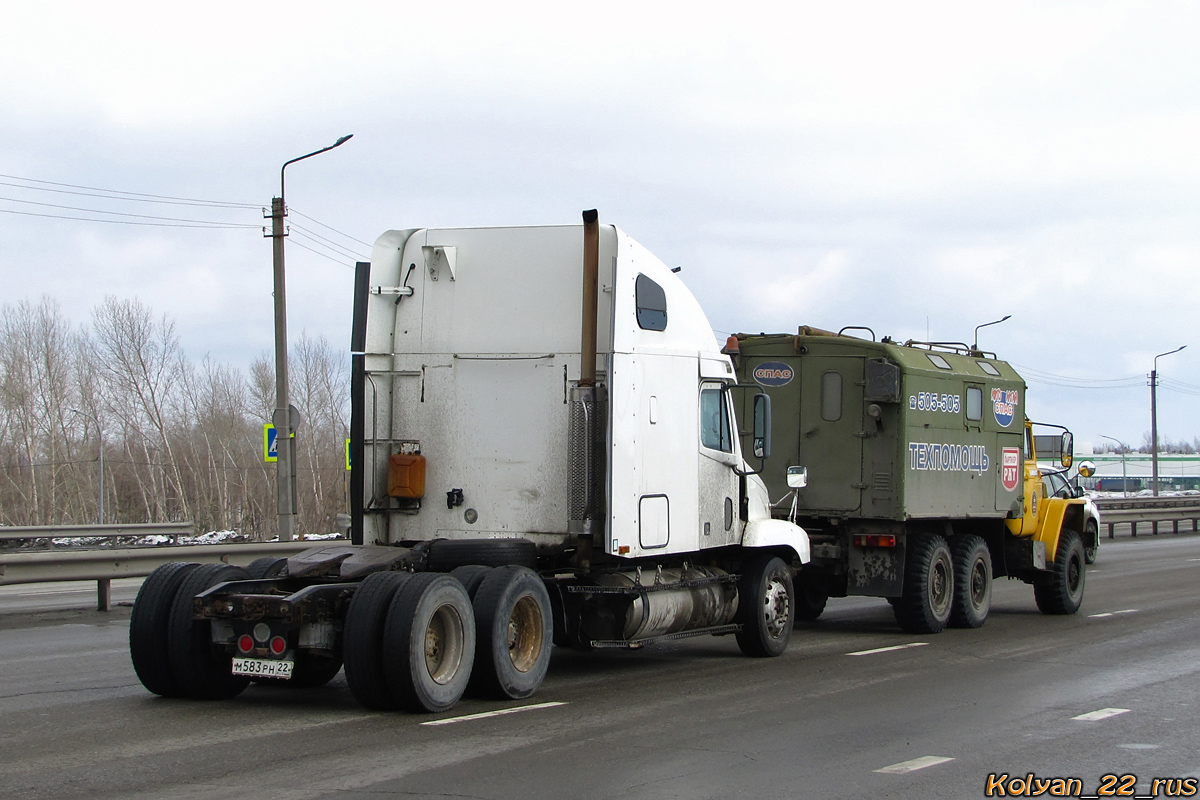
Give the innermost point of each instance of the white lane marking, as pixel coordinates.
(912, 766)
(1113, 613)
(1138, 746)
(1104, 713)
(1194, 559)
(487, 714)
(887, 649)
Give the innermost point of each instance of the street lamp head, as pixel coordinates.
(343, 140)
(975, 344)
(1169, 352)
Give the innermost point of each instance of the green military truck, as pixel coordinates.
(913, 470)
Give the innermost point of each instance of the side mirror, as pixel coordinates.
(1068, 450)
(797, 477)
(1077, 491)
(762, 426)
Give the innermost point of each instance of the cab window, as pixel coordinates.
(714, 420)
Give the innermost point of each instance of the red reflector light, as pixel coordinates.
(245, 643)
(278, 645)
(874, 540)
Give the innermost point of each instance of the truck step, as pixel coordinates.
(634, 644)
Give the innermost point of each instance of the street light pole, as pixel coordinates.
(1154, 419)
(1124, 474)
(100, 450)
(975, 344)
(285, 419)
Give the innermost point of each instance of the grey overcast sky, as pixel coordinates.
(919, 168)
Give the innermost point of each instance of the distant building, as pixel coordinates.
(1175, 472)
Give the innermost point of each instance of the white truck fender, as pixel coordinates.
(777, 533)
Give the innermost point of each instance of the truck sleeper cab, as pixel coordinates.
(544, 448)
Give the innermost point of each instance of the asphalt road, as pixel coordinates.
(931, 718)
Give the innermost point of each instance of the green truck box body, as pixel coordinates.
(889, 431)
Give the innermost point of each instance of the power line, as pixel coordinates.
(205, 225)
(124, 213)
(329, 227)
(132, 196)
(303, 246)
(323, 242)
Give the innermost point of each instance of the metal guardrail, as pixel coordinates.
(172, 529)
(1134, 511)
(102, 564)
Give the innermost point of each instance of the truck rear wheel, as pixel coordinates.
(766, 607)
(203, 669)
(972, 582)
(924, 607)
(515, 628)
(810, 600)
(362, 639)
(1061, 590)
(429, 643)
(470, 576)
(148, 628)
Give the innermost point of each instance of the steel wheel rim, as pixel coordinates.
(525, 632)
(978, 582)
(775, 608)
(1074, 574)
(443, 644)
(939, 585)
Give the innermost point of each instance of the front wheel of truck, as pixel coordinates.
(766, 607)
(924, 606)
(1060, 591)
(514, 623)
(972, 582)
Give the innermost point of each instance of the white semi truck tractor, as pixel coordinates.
(544, 450)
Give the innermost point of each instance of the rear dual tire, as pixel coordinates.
(409, 641)
(202, 669)
(515, 631)
(148, 643)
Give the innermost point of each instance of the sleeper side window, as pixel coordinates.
(651, 303)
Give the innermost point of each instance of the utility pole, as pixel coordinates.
(1154, 419)
(286, 418)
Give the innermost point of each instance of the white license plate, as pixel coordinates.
(262, 668)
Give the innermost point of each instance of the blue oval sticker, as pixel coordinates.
(773, 373)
